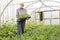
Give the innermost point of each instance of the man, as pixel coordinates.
(21, 23)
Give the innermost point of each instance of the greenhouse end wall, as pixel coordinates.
(52, 18)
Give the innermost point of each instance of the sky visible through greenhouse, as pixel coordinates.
(49, 4)
(36, 4)
(41, 5)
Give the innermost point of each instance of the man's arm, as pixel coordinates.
(28, 14)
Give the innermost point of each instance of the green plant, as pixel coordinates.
(32, 32)
(23, 16)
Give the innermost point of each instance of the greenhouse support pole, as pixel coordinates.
(4, 10)
(0, 21)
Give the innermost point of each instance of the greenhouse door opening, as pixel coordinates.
(41, 16)
(38, 17)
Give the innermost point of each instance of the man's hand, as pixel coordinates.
(28, 18)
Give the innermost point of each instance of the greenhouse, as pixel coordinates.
(44, 21)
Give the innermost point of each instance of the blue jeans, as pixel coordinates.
(20, 27)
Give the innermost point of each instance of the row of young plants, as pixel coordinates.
(32, 32)
(23, 16)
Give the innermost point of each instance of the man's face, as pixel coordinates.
(22, 5)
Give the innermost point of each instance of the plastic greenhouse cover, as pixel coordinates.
(37, 4)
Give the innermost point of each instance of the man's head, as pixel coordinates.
(22, 5)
